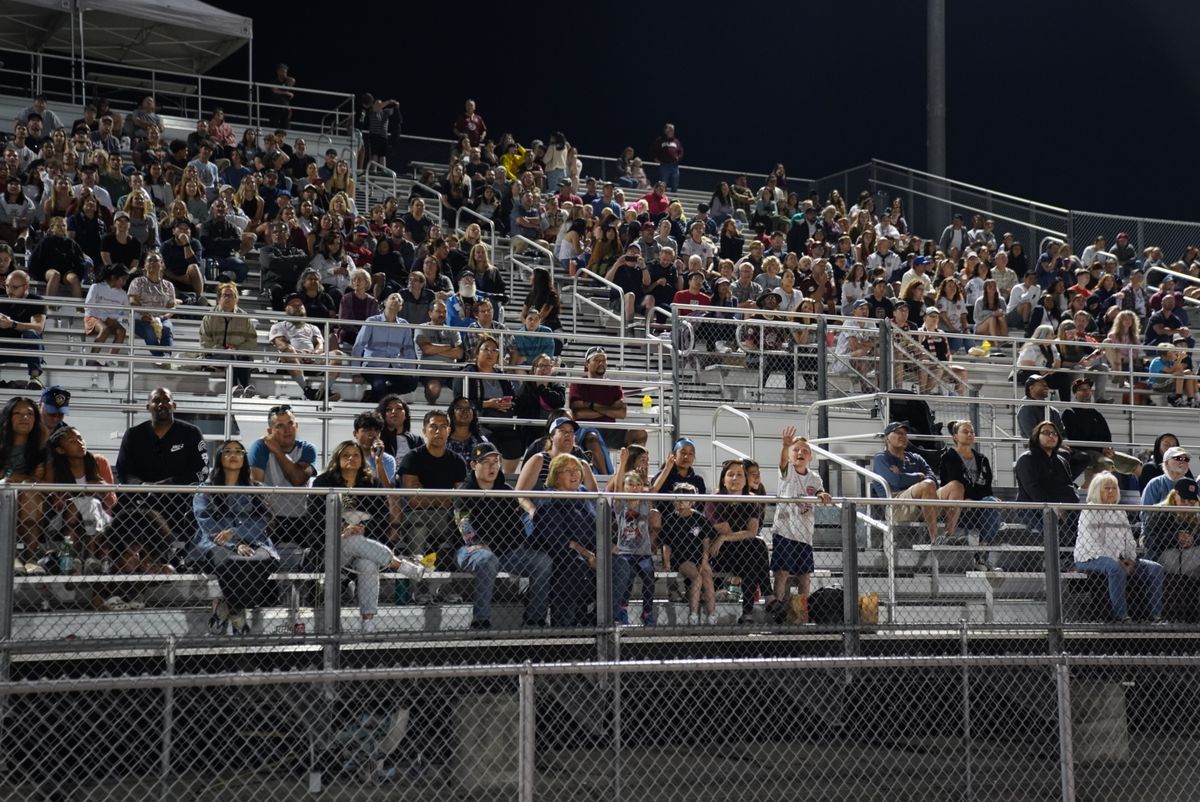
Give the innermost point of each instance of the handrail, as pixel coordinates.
(489, 223)
(437, 195)
(972, 187)
(577, 298)
(537, 246)
(972, 207)
(717, 444)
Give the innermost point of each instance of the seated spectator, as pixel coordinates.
(1089, 424)
(439, 346)
(417, 299)
(230, 334)
(465, 433)
(494, 540)
(364, 525)
(368, 433)
(120, 245)
(163, 450)
(1176, 465)
(564, 528)
(358, 304)
(493, 398)
(22, 324)
(1040, 355)
(560, 440)
(398, 437)
(737, 549)
(318, 304)
(938, 369)
(17, 215)
(23, 459)
(1169, 374)
(99, 316)
(281, 264)
(140, 538)
(1023, 299)
(1164, 324)
(81, 516)
(1176, 528)
(333, 265)
(225, 242)
(1153, 466)
(461, 307)
(149, 289)
(428, 524)
(909, 476)
(855, 347)
(1082, 355)
(1044, 474)
(300, 343)
(966, 474)
(231, 541)
(528, 346)
(182, 258)
(1106, 546)
(485, 323)
(632, 275)
(57, 260)
(601, 402)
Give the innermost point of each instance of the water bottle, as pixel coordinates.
(66, 556)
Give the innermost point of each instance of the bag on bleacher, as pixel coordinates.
(825, 606)
(797, 611)
(868, 608)
(93, 518)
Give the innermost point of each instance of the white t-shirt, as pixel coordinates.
(796, 521)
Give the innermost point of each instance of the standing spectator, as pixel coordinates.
(429, 524)
(792, 532)
(279, 112)
(52, 121)
(954, 236)
(737, 548)
(669, 151)
(686, 538)
(494, 540)
(377, 114)
(470, 125)
(22, 321)
(1106, 546)
(22, 460)
(564, 529)
(163, 451)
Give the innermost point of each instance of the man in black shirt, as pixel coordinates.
(493, 540)
(163, 451)
(879, 306)
(429, 523)
(21, 325)
(222, 241)
(281, 265)
(182, 256)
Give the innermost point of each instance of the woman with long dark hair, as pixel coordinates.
(364, 525)
(464, 428)
(543, 296)
(737, 548)
(232, 541)
(22, 459)
(398, 437)
(83, 516)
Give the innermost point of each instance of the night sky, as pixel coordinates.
(1090, 106)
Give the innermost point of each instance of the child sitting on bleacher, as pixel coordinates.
(686, 537)
(632, 554)
(792, 532)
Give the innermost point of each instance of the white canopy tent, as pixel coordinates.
(184, 36)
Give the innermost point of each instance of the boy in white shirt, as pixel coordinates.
(792, 533)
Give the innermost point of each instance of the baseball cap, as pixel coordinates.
(1082, 380)
(362, 230)
(482, 450)
(860, 302)
(896, 426)
(121, 213)
(561, 421)
(932, 310)
(1033, 379)
(1178, 338)
(295, 296)
(595, 350)
(56, 400)
(922, 260)
(1186, 488)
(1175, 451)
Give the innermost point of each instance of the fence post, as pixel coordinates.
(1054, 615)
(605, 647)
(527, 752)
(676, 367)
(823, 392)
(883, 378)
(331, 623)
(850, 620)
(168, 723)
(1066, 747)
(8, 553)
(968, 793)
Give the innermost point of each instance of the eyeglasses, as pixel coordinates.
(1182, 459)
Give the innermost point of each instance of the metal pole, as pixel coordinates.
(604, 604)
(168, 723)
(883, 376)
(82, 62)
(1066, 747)
(251, 115)
(527, 754)
(8, 552)
(850, 580)
(968, 794)
(1053, 581)
(332, 618)
(675, 363)
(823, 392)
(935, 76)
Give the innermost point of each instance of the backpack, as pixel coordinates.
(825, 606)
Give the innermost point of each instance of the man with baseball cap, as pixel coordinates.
(55, 405)
(908, 476)
(1158, 534)
(1087, 423)
(493, 540)
(602, 402)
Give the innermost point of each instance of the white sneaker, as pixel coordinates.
(693, 619)
(722, 348)
(370, 625)
(713, 619)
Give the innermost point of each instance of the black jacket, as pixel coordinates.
(1086, 424)
(953, 469)
(1042, 477)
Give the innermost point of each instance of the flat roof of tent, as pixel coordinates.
(174, 35)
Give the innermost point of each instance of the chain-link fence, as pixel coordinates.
(940, 728)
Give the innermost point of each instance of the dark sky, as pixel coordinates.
(1087, 105)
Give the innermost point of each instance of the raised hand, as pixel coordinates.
(789, 436)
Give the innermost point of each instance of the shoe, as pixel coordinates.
(1158, 621)
(34, 569)
(776, 611)
(249, 392)
(312, 394)
(693, 619)
(745, 618)
(218, 620)
(713, 619)
(369, 625)
(237, 391)
(722, 348)
(237, 621)
(35, 383)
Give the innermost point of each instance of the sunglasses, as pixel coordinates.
(1182, 459)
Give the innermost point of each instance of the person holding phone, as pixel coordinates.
(632, 275)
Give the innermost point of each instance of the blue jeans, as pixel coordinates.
(28, 341)
(523, 561)
(669, 175)
(228, 264)
(1150, 573)
(143, 329)
(552, 179)
(624, 568)
(987, 521)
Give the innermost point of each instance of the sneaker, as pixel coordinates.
(693, 619)
(713, 619)
(35, 383)
(722, 348)
(370, 625)
(237, 391)
(776, 611)
(237, 621)
(249, 392)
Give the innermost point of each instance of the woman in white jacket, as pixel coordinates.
(1105, 545)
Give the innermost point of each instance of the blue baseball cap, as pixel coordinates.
(56, 400)
(681, 442)
(561, 421)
